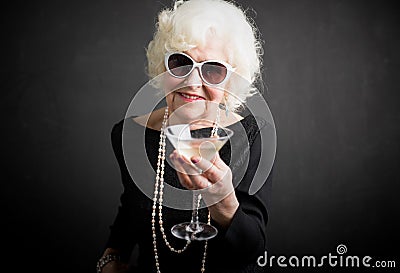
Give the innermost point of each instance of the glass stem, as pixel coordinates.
(194, 223)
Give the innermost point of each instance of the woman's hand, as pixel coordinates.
(114, 266)
(215, 181)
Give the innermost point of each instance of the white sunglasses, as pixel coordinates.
(212, 72)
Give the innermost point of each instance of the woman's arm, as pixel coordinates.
(245, 237)
(113, 266)
(121, 240)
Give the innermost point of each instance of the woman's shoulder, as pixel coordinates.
(124, 126)
(152, 120)
(251, 125)
(143, 122)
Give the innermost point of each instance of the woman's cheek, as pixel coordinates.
(171, 84)
(216, 95)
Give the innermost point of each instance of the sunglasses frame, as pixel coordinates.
(229, 68)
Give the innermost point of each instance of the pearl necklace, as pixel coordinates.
(159, 191)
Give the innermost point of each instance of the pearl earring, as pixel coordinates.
(226, 106)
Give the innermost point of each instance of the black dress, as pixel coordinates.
(234, 249)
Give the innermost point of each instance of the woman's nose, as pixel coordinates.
(194, 78)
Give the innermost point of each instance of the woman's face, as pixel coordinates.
(190, 98)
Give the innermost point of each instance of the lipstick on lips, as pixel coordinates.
(190, 97)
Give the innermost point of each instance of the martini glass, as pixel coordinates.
(200, 138)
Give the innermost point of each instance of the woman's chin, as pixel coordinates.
(191, 111)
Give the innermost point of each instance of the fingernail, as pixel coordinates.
(195, 159)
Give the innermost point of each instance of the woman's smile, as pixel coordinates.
(189, 97)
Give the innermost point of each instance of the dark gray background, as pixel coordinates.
(69, 70)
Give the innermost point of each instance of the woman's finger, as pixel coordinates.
(210, 171)
(189, 175)
(218, 162)
(183, 176)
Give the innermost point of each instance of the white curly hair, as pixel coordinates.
(186, 26)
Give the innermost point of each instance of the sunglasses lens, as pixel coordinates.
(214, 72)
(179, 65)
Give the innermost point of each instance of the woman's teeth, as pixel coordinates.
(189, 97)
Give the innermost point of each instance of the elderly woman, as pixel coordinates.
(201, 48)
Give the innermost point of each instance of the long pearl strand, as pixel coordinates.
(159, 191)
